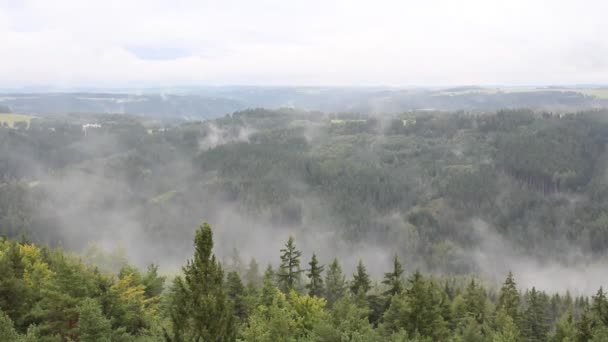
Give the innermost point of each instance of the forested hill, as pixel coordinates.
(210, 102)
(448, 192)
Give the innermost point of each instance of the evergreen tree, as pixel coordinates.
(153, 283)
(475, 301)
(269, 287)
(236, 293)
(92, 325)
(508, 298)
(584, 328)
(565, 329)
(335, 283)
(252, 276)
(199, 309)
(506, 329)
(417, 310)
(535, 325)
(393, 279)
(599, 306)
(315, 286)
(289, 272)
(361, 283)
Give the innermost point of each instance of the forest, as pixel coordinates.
(52, 295)
(412, 226)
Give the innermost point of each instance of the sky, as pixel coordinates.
(313, 42)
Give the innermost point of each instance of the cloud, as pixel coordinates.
(317, 42)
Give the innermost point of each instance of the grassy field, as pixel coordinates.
(11, 119)
(601, 93)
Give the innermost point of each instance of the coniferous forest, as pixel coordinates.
(419, 226)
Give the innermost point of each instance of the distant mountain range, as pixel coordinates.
(209, 102)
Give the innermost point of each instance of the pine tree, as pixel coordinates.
(199, 309)
(508, 298)
(361, 282)
(393, 279)
(335, 283)
(315, 286)
(289, 272)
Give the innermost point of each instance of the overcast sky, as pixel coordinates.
(312, 42)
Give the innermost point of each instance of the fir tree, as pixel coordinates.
(315, 286)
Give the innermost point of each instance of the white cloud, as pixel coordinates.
(435, 42)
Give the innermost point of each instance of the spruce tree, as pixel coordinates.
(335, 283)
(315, 286)
(535, 323)
(393, 279)
(508, 298)
(289, 272)
(199, 309)
(361, 282)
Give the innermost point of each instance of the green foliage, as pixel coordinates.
(199, 308)
(335, 283)
(92, 325)
(393, 279)
(417, 310)
(361, 283)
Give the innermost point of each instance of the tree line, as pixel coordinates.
(52, 295)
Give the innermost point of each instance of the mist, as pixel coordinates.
(148, 196)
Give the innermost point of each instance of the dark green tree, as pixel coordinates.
(417, 310)
(535, 326)
(199, 309)
(289, 271)
(315, 286)
(361, 283)
(393, 279)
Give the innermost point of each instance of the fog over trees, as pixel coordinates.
(471, 225)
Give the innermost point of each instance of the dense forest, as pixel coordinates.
(406, 226)
(52, 295)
